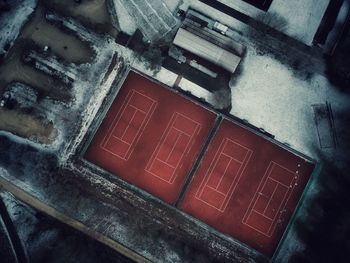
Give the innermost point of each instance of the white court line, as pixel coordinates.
(273, 225)
(231, 157)
(159, 160)
(216, 190)
(144, 95)
(258, 190)
(162, 138)
(210, 169)
(174, 145)
(287, 186)
(122, 110)
(172, 179)
(271, 196)
(255, 198)
(132, 106)
(118, 115)
(251, 207)
(166, 132)
(189, 135)
(141, 129)
(234, 186)
(236, 178)
(263, 215)
(117, 138)
(117, 118)
(288, 193)
(223, 175)
(127, 127)
(188, 118)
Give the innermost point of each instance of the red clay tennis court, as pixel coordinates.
(151, 137)
(247, 187)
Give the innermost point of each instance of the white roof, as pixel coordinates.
(206, 50)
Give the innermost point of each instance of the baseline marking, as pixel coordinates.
(270, 199)
(175, 143)
(128, 125)
(223, 174)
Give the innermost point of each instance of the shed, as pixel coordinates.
(206, 50)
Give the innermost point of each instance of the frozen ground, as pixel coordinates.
(126, 23)
(172, 4)
(270, 96)
(297, 14)
(46, 240)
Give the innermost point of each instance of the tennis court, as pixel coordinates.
(246, 185)
(151, 137)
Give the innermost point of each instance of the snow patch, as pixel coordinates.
(126, 22)
(270, 96)
(195, 90)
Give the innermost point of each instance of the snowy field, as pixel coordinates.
(172, 4)
(126, 23)
(270, 96)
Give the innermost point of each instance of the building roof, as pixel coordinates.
(206, 50)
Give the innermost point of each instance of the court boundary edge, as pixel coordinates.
(317, 170)
(265, 135)
(93, 168)
(100, 115)
(82, 148)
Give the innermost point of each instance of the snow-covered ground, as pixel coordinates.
(172, 4)
(302, 17)
(195, 90)
(11, 22)
(270, 96)
(126, 23)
